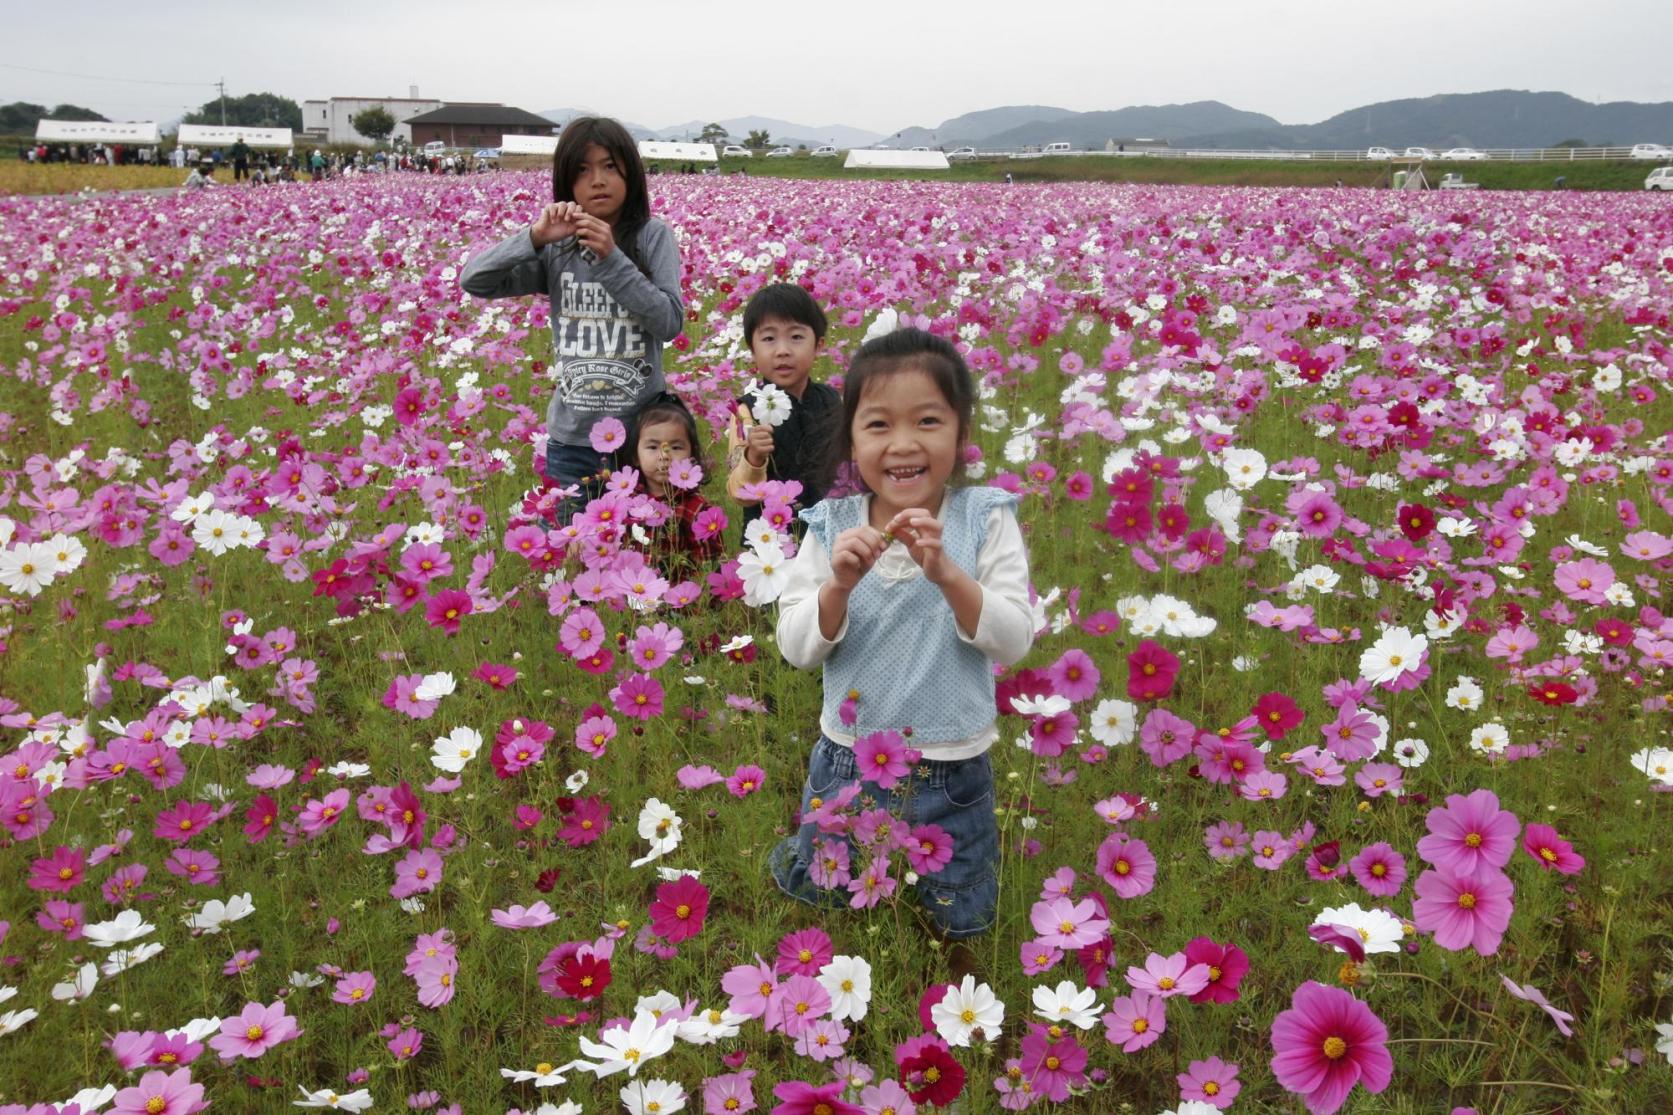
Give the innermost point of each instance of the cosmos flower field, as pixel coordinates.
(334, 773)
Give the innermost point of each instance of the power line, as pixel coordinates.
(102, 77)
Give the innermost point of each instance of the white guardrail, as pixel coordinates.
(1496, 154)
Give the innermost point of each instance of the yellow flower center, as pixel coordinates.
(1335, 1048)
(1466, 901)
(1140, 1025)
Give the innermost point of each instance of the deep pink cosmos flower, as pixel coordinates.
(928, 1070)
(803, 952)
(1469, 833)
(584, 820)
(1327, 1042)
(1551, 851)
(1166, 737)
(1467, 910)
(1151, 670)
(446, 608)
(929, 849)
(161, 1093)
(1074, 675)
(254, 1030)
(638, 696)
(679, 909)
(798, 1098)
(1277, 715)
(1227, 965)
(1052, 1062)
(60, 872)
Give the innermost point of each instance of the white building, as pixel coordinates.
(328, 121)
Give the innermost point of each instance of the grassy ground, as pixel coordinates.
(70, 178)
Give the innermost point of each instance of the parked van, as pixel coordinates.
(1058, 149)
(1660, 178)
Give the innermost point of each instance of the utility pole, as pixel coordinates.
(222, 86)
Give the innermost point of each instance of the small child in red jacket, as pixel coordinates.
(662, 445)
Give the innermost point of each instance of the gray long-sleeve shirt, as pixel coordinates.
(609, 321)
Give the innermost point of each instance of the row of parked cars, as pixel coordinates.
(1649, 152)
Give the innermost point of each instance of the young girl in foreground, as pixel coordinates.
(908, 594)
(611, 272)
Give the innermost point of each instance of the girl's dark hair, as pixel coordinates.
(785, 300)
(571, 155)
(901, 351)
(665, 406)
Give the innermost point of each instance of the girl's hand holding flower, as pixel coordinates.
(853, 554)
(555, 222)
(921, 533)
(595, 234)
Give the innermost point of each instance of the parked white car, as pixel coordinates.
(1463, 155)
(1058, 148)
(824, 151)
(962, 153)
(1378, 153)
(1660, 178)
(780, 153)
(1419, 153)
(435, 147)
(733, 151)
(1651, 151)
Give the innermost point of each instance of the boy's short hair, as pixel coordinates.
(785, 300)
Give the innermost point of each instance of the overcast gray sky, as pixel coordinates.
(875, 64)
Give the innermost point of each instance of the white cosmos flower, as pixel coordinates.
(1464, 695)
(772, 405)
(215, 531)
(759, 535)
(1656, 762)
(1396, 652)
(123, 959)
(661, 826)
(188, 509)
(435, 686)
(14, 1020)
(1114, 722)
(452, 751)
(764, 573)
(1067, 1003)
(1411, 753)
(26, 568)
(705, 1027)
(67, 553)
(1049, 705)
(969, 1010)
(214, 914)
(542, 1075)
(1224, 507)
(93, 1099)
(1490, 738)
(345, 1101)
(127, 926)
(1319, 578)
(1244, 468)
(1380, 930)
(78, 986)
(652, 1097)
(848, 981)
(626, 1048)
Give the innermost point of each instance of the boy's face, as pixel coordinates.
(784, 353)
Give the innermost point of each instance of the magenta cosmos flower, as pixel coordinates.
(1125, 863)
(1551, 851)
(1468, 910)
(1379, 869)
(1469, 833)
(679, 909)
(1151, 670)
(1327, 1042)
(881, 758)
(161, 1093)
(254, 1031)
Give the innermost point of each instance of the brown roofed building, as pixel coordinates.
(476, 125)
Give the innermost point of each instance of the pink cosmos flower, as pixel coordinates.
(60, 872)
(929, 849)
(197, 868)
(1211, 1081)
(881, 758)
(607, 435)
(1585, 581)
(729, 1093)
(1264, 785)
(1270, 849)
(1226, 840)
(435, 979)
(1135, 1021)
(254, 1030)
(745, 780)
(419, 872)
(1377, 779)
(1125, 863)
(1527, 992)
(161, 1093)
(354, 988)
(59, 916)
(594, 734)
(1469, 833)
(1167, 976)
(872, 885)
(446, 608)
(319, 814)
(751, 987)
(1551, 851)
(796, 1004)
(582, 633)
(183, 820)
(1464, 910)
(650, 647)
(1327, 1042)
(1379, 869)
(1068, 924)
(1165, 737)
(1352, 735)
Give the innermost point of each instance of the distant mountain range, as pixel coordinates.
(1502, 118)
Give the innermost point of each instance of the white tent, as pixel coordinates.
(96, 131)
(528, 145)
(214, 135)
(873, 158)
(684, 152)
